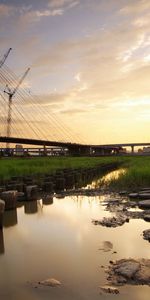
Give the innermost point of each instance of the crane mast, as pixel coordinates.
(11, 94)
(5, 57)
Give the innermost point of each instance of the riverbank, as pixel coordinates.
(46, 165)
(136, 175)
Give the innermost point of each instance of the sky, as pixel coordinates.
(89, 60)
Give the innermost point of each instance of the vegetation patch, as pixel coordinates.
(45, 165)
(135, 174)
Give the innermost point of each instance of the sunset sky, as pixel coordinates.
(90, 62)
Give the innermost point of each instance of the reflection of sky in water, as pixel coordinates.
(113, 175)
(60, 241)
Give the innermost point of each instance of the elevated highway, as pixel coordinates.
(74, 148)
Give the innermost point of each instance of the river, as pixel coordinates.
(57, 239)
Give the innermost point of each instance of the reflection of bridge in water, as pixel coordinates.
(25, 120)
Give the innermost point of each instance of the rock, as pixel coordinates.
(146, 217)
(133, 195)
(146, 235)
(10, 198)
(47, 199)
(20, 196)
(144, 204)
(51, 282)
(48, 186)
(129, 271)
(143, 276)
(106, 246)
(60, 196)
(109, 289)
(144, 195)
(112, 222)
(2, 208)
(122, 193)
(31, 192)
(146, 189)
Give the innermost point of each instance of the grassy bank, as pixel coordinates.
(136, 176)
(26, 166)
(137, 173)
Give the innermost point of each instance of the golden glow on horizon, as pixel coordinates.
(92, 69)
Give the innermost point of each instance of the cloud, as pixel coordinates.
(136, 7)
(54, 8)
(36, 15)
(78, 77)
(6, 10)
(74, 111)
(48, 13)
(106, 75)
(103, 76)
(62, 3)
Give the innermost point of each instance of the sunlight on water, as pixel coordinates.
(113, 175)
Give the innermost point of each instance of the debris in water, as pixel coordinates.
(112, 222)
(109, 289)
(106, 246)
(51, 282)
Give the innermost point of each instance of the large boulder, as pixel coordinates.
(129, 271)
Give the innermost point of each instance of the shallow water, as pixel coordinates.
(59, 240)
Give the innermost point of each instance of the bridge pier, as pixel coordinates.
(98, 151)
(76, 150)
(44, 150)
(132, 149)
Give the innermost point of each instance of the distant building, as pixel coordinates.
(19, 150)
(123, 150)
(146, 149)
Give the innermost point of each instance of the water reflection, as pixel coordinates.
(60, 241)
(47, 200)
(2, 248)
(30, 207)
(113, 175)
(10, 218)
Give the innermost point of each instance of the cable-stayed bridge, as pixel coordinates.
(25, 120)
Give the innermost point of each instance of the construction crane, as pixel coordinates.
(5, 57)
(11, 94)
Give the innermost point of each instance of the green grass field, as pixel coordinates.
(26, 166)
(137, 168)
(136, 176)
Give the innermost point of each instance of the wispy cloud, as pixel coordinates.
(54, 8)
(136, 7)
(62, 3)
